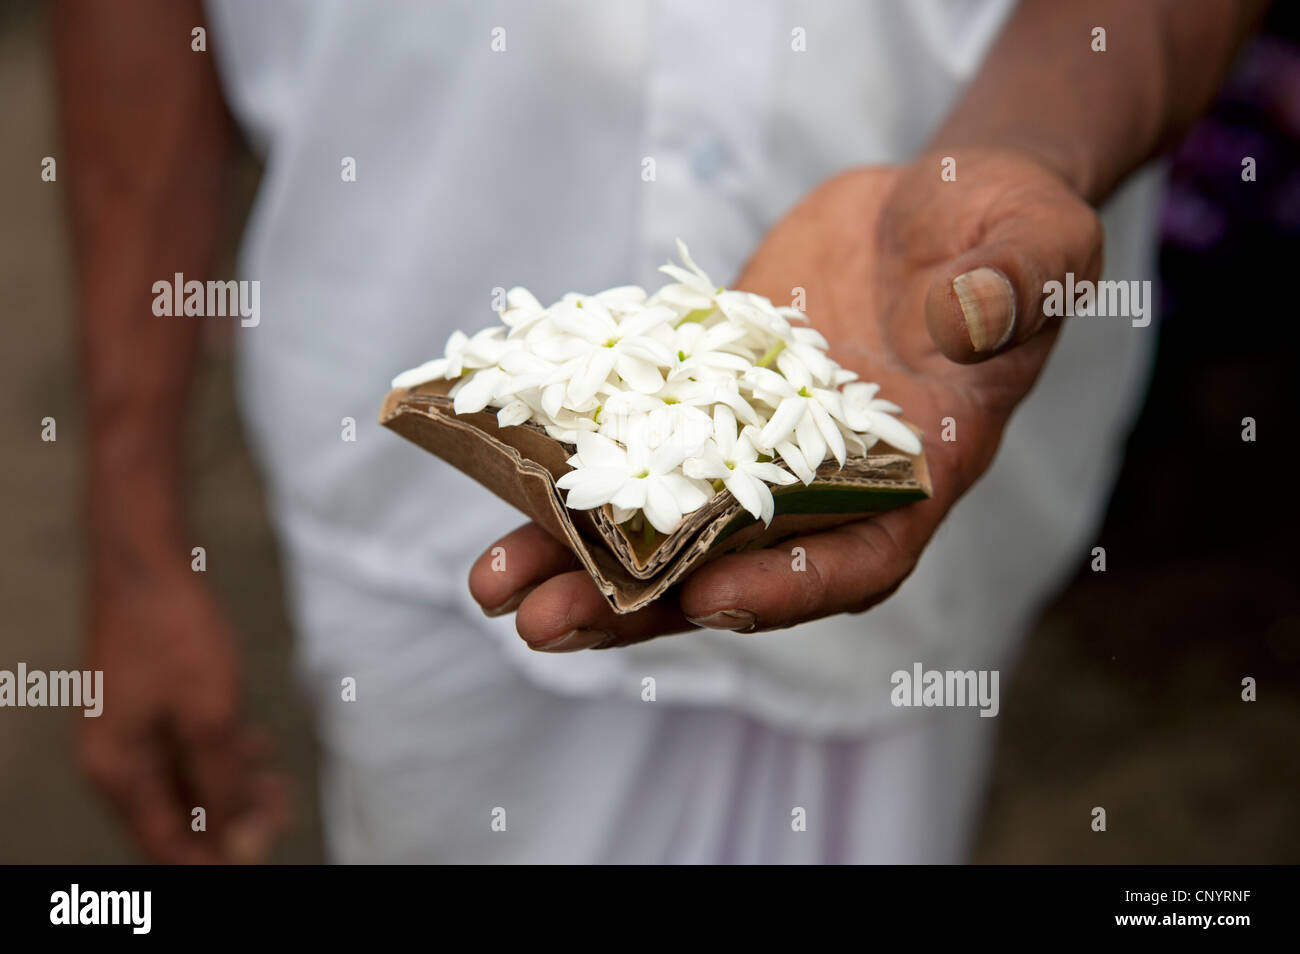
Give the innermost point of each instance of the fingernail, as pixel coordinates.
(510, 605)
(988, 303)
(574, 640)
(735, 620)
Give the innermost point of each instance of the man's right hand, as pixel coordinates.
(170, 739)
(147, 143)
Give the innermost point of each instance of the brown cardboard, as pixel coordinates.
(521, 464)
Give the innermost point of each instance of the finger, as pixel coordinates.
(567, 613)
(844, 570)
(272, 798)
(501, 578)
(161, 823)
(990, 298)
(211, 754)
(250, 836)
(146, 797)
(269, 789)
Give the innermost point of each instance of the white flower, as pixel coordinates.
(868, 414)
(694, 291)
(757, 315)
(652, 391)
(622, 346)
(632, 478)
(514, 413)
(803, 410)
(527, 372)
(567, 425)
(699, 350)
(631, 418)
(734, 461)
(807, 348)
(704, 394)
(462, 352)
(435, 370)
(522, 311)
(475, 391)
(624, 300)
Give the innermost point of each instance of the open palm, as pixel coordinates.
(875, 252)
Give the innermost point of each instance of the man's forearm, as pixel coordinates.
(145, 143)
(1094, 116)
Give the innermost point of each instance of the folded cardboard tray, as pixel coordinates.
(521, 464)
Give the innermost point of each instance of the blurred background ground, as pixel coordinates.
(1128, 695)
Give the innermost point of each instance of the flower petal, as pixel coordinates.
(668, 456)
(434, 370)
(855, 400)
(796, 371)
(724, 429)
(644, 321)
(597, 451)
(747, 491)
(810, 440)
(660, 508)
(585, 318)
(591, 487)
(789, 414)
(791, 454)
(685, 255)
(478, 391)
(768, 380)
(829, 430)
(690, 494)
(631, 496)
(583, 386)
(638, 374)
(623, 298)
(705, 467)
(514, 413)
(893, 432)
(771, 473)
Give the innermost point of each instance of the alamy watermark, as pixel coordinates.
(75, 906)
(212, 299)
(57, 688)
(948, 688)
(1109, 299)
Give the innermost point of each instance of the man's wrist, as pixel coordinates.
(1073, 165)
(136, 519)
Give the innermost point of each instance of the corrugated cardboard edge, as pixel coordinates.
(520, 465)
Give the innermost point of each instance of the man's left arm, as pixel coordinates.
(934, 289)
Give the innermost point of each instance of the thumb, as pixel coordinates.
(990, 298)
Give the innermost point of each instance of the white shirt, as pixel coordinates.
(479, 169)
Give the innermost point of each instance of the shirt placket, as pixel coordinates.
(707, 116)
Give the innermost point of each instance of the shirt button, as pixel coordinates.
(708, 157)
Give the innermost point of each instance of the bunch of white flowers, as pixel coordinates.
(668, 398)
